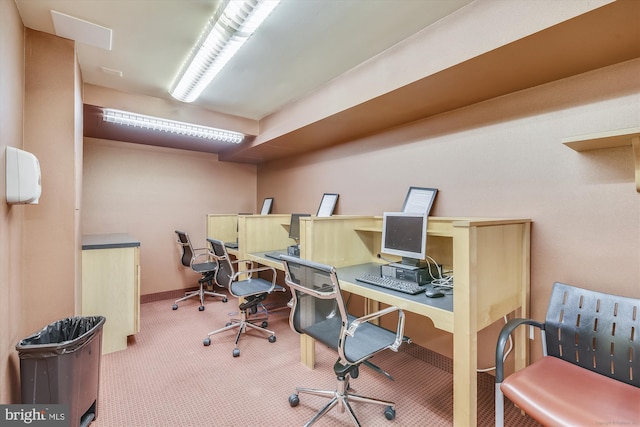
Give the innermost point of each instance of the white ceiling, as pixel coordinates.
(302, 45)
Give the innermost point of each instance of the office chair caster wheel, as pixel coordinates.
(175, 306)
(236, 352)
(201, 308)
(272, 338)
(224, 299)
(355, 372)
(294, 400)
(389, 413)
(265, 324)
(207, 342)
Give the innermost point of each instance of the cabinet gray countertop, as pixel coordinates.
(109, 241)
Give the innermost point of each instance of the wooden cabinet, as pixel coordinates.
(111, 286)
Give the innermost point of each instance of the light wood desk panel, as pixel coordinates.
(261, 233)
(222, 227)
(254, 234)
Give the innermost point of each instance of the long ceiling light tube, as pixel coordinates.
(164, 125)
(226, 32)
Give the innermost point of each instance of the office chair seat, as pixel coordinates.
(205, 267)
(250, 287)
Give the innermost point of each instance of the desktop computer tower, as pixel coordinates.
(420, 275)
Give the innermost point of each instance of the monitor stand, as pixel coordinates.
(410, 264)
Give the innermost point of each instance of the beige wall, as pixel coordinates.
(502, 158)
(39, 248)
(40, 243)
(11, 119)
(51, 244)
(149, 192)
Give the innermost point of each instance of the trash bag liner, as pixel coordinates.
(64, 336)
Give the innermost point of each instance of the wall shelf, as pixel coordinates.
(610, 139)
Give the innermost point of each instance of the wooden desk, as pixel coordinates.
(111, 286)
(490, 261)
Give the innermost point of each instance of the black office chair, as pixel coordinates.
(319, 311)
(199, 260)
(251, 289)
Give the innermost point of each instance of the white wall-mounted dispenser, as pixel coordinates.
(22, 177)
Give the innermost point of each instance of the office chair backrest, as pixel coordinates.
(318, 307)
(596, 331)
(225, 269)
(187, 249)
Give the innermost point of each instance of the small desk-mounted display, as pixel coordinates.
(405, 234)
(294, 233)
(267, 204)
(327, 204)
(419, 200)
(294, 226)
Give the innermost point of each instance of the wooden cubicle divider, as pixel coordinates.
(222, 227)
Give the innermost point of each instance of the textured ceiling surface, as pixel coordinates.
(302, 45)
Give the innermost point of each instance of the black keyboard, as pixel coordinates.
(393, 284)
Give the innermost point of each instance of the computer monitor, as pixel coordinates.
(405, 234)
(294, 226)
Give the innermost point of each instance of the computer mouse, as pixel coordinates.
(433, 293)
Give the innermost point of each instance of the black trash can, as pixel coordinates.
(60, 364)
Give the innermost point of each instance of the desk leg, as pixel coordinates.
(465, 380)
(307, 351)
(465, 337)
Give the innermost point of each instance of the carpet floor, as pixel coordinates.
(167, 377)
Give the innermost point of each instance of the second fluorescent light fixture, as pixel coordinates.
(226, 32)
(170, 126)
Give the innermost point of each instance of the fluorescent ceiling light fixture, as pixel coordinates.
(170, 126)
(232, 25)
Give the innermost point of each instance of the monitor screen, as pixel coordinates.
(294, 226)
(405, 234)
